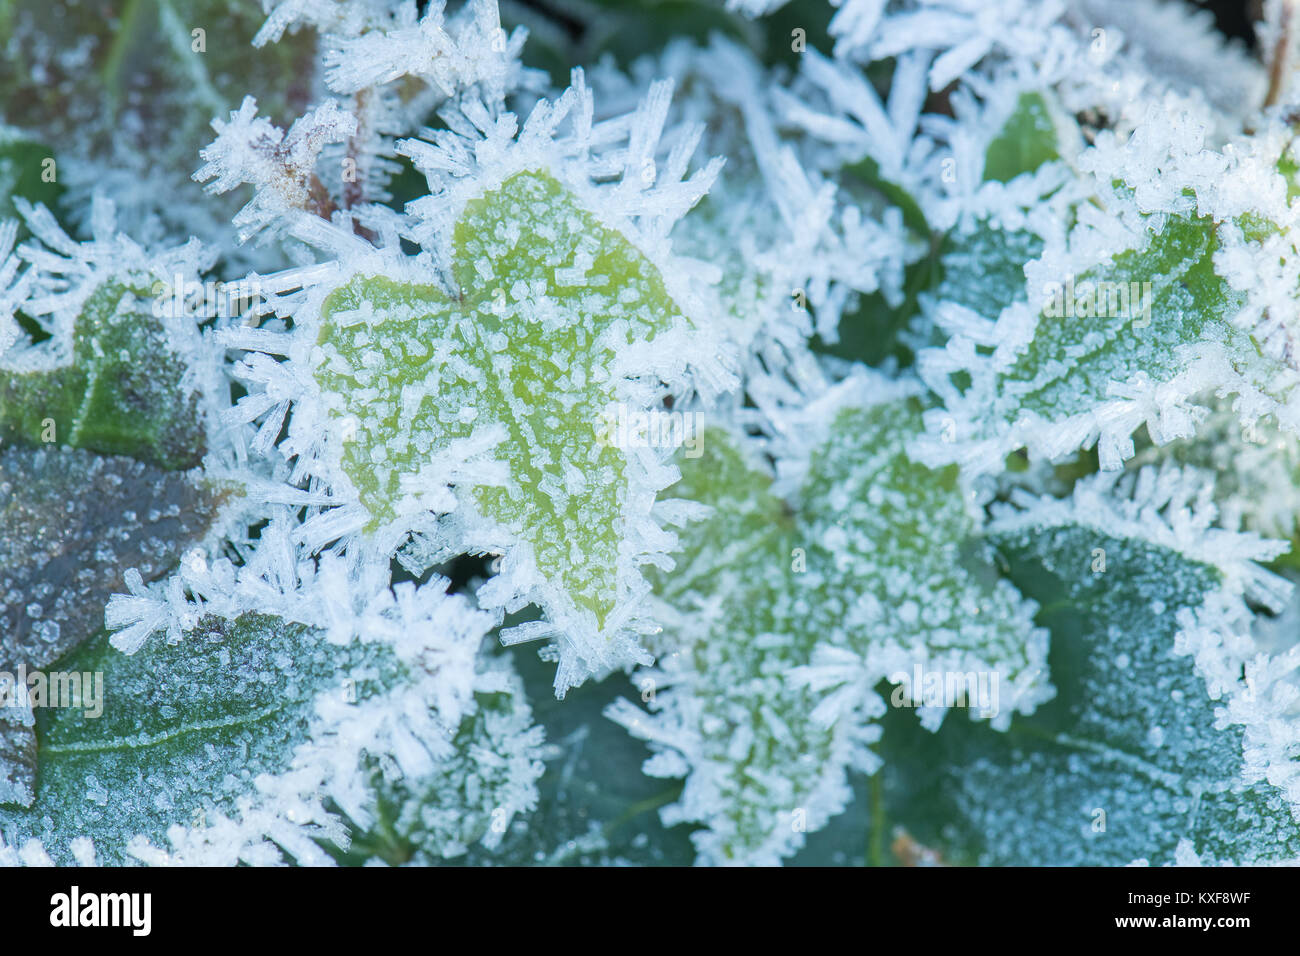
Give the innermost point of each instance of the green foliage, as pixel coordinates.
(141, 53)
(1129, 760)
(64, 552)
(548, 296)
(185, 731)
(882, 562)
(978, 264)
(984, 266)
(1067, 367)
(1028, 139)
(107, 397)
(27, 169)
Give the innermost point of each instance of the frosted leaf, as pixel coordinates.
(532, 352)
(1188, 303)
(120, 371)
(1027, 140)
(201, 719)
(258, 738)
(65, 551)
(487, 781)
(535, 239)
(1145, 305)
(747, 774)
(104, 398)
(1168, 733)
(796, 619)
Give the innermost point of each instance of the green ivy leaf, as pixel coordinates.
(1027, 140)
(882, 566)
(64, 552)
(549, 298)
(120, 393)
(984, 266)
(1069, 363)
(1127, 761)
(184, 731)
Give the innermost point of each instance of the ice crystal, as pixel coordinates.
(250, 149)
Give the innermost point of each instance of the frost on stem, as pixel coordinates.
(280, 167)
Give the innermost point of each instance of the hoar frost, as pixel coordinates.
(982, 317)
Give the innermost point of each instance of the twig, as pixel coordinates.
(1279, 67)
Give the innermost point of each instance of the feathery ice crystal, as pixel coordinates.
(878, 411)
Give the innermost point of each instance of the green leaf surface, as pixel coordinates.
(118, 393)
(984, 266)
(1072, 358)
(882, 562)
(26, 170)
(1027, 140)
(549, 297)
(73, 523)
(1126, 762)
(184, 731)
